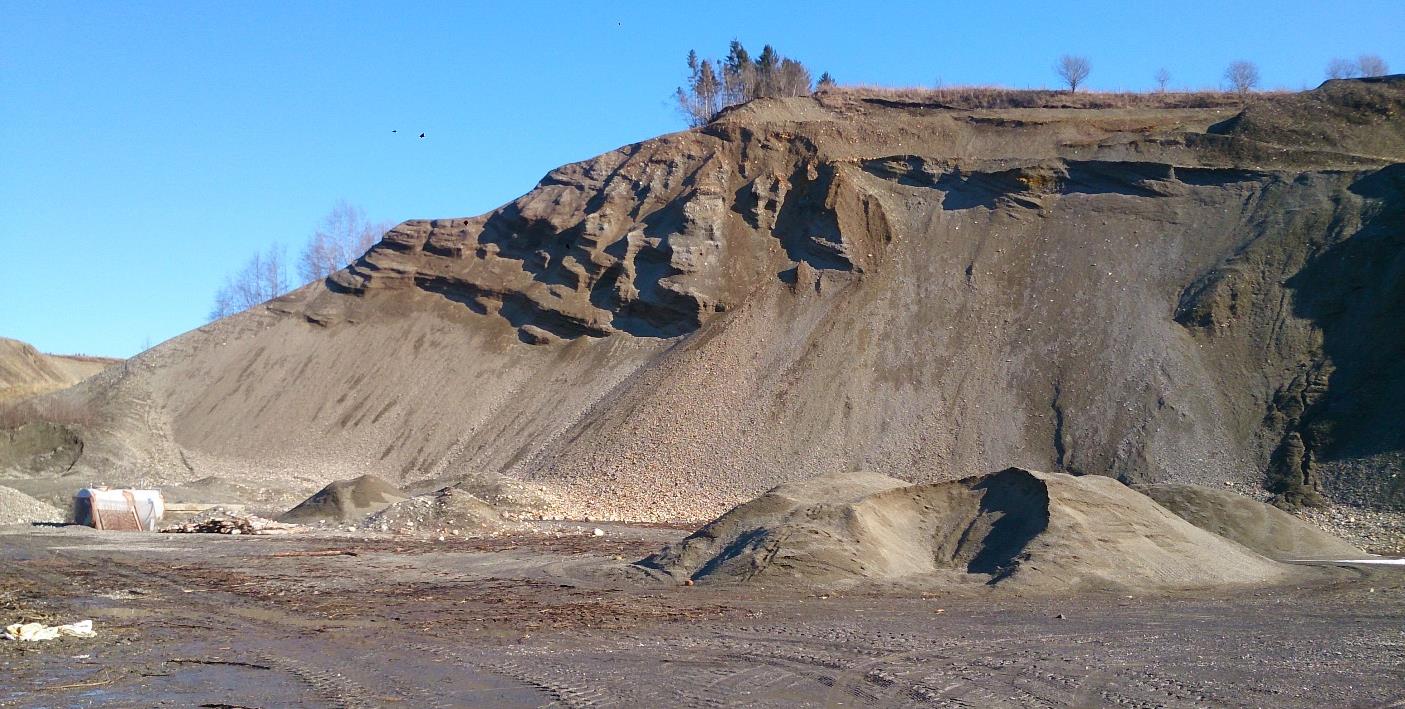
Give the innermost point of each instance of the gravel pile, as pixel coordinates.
(19, 508)
(1377, 531)
(450, 511)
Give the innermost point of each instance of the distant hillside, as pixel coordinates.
(25, 371)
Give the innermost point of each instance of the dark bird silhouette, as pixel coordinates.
(421, 135)
(392, 130)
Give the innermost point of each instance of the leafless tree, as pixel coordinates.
(792, 79)
(714, 85)
(1073, 70)
(703, 97)
(263, 277)
(1371, 65)
(1340, 68)
(1162, 77)
(345, 234)
(1242, 77)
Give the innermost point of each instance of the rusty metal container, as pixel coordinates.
(126, 510)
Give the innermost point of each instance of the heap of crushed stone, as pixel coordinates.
(447, 511)
(1259, 526)
(515, 498)
(19, 508)
(1042, 531)
(345, 501)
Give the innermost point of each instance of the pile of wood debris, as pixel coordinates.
(218, 523)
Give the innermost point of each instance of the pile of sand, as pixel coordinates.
(514, 498)
(1261, 527)
(345, 501)
(447, 511)
(19, 508)
(1019, 527)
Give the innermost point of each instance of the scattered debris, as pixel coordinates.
(33, 632)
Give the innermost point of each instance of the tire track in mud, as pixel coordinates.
(331, 686)
(578, 692)
(239, 612)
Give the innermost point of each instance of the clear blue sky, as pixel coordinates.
(146, 149)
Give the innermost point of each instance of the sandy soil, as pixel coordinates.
(538, 619)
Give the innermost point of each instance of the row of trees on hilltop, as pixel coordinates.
(1362, 66)
(1241, 76)
(714, 85)
(343, 235)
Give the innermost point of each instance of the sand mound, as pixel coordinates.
(1040, 530)
(345, 501)
(447, 511)
(1263, 528)
(19, 508)
(515, 498)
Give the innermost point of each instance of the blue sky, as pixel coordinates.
(147, 149)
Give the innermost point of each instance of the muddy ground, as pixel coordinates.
(537, 619)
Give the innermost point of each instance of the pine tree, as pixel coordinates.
(768, 70)
(738, 76)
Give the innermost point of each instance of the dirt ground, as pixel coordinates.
(538, 619)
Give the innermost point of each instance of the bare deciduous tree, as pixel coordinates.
(1162, 78)
(1242, 77)
(792, 79)
(713, 86)
(1073, 70)
(703, 97)
(1371, 65)
(345, 234)
(263, 277)
(1340, 68)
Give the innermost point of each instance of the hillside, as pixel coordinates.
(25, 371)
(849, 282)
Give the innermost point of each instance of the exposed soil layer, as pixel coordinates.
(1033, 530)
(553, 617)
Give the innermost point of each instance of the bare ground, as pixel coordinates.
(537, 619)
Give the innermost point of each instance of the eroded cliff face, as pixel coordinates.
(652, 240)
(852, 282)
